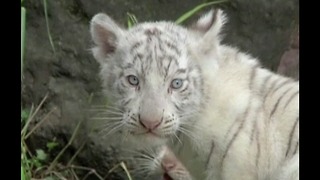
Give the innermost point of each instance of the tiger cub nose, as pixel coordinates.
(150, 124)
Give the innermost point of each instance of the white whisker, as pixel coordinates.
(110, 112)
(125, 136)
(113, 129)
(190, 126)
(187, 133)
(107, 118)
(177, 138)
(115, 108)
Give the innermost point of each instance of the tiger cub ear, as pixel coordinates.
(105, 33)
(209, 27)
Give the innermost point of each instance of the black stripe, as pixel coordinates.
(210, 154)
(177, 107)
(167, 69)
(173, 47)
(252, 76)
(254, 127)
(134, 118)
(270, 90)
(169, 120)
(296, 148)
(185, 97)
(195, 82)
(278, 102)
(135, 46)
(137, 57)
(128, 66)
(143, 73)
(181, 71)
(160, 43)
(156, 59)
(291, 136)
(120, 90)
(126, 102)
(231, 127)
(244, 118)
(183, 90)
(161, 48)
(132, 123)
(258, 147)
(290, 99)
(123, 84)
(281, 85)
(264, 84)
(170, 57)
(253, 131)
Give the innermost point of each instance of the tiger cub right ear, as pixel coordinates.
(105, 34)
(209, 27)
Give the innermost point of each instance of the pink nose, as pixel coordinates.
(150, 125)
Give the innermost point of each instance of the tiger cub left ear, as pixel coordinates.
(209, 26)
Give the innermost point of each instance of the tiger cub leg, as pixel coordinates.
(171, 167)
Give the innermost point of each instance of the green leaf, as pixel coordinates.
(23, 176)
(52, 145)
(36, 162)
(23, 31)
(132, 20)
(188, 14)
(41, 155)
(24, 115)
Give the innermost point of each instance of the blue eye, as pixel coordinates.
(176, 83)
(133, 80)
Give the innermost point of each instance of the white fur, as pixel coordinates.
(234, 111)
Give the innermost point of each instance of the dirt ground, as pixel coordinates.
(266, 29)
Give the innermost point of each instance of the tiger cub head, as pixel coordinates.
(150, 74)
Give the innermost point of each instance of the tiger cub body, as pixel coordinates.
(250, 126)
(222, 114)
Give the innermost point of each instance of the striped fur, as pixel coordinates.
(231, 119)
(251, 115)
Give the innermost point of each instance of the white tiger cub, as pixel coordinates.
(231, 118)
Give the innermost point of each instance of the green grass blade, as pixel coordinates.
(23, 32)
(23, 177)
(124, 167)
(73, 136)
(132, 20)
(25, 166)
(47, 23)
(129, 24)
(196, 9)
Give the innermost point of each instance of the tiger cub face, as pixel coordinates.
(152, 84)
